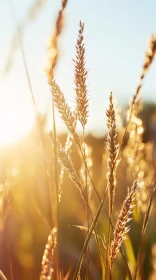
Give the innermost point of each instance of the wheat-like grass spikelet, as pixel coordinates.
(68, 165)
(82, 100)
(136, 101)
(48, 259)
(121, 228)
(65, 111)
(112, 150)
(80, 78)
(149, 56)
(53, 45)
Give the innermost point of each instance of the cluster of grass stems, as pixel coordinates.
(118, 227)
(116, 232)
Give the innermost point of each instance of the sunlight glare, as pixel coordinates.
(15, 122)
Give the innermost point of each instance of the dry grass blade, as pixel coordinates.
(27, 19)
(93, 232)
(2, 277)
(77, 271)
(66, 277)
(80, 78)
(23, 56)
(121, 226)
(48, 260)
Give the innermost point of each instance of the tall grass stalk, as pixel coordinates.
(68, 165)
(50, 74)
(68, 118)
(82, 104)
(121, 228)
(92, 227)
(30, 16)
(149, 57)
(112, 163)
(51, 263)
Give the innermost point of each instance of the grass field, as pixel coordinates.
(74, 206)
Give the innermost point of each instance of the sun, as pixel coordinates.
(15, 122)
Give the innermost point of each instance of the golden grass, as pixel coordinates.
(112, 151)
(80, 78)
(134, 127)
(121, 228)
(2, 276)
(68, 165)
(103, 207)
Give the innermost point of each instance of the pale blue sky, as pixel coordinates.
(116, 36)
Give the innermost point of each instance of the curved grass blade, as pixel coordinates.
(77, 271)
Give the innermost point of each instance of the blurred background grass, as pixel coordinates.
(25, 231)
